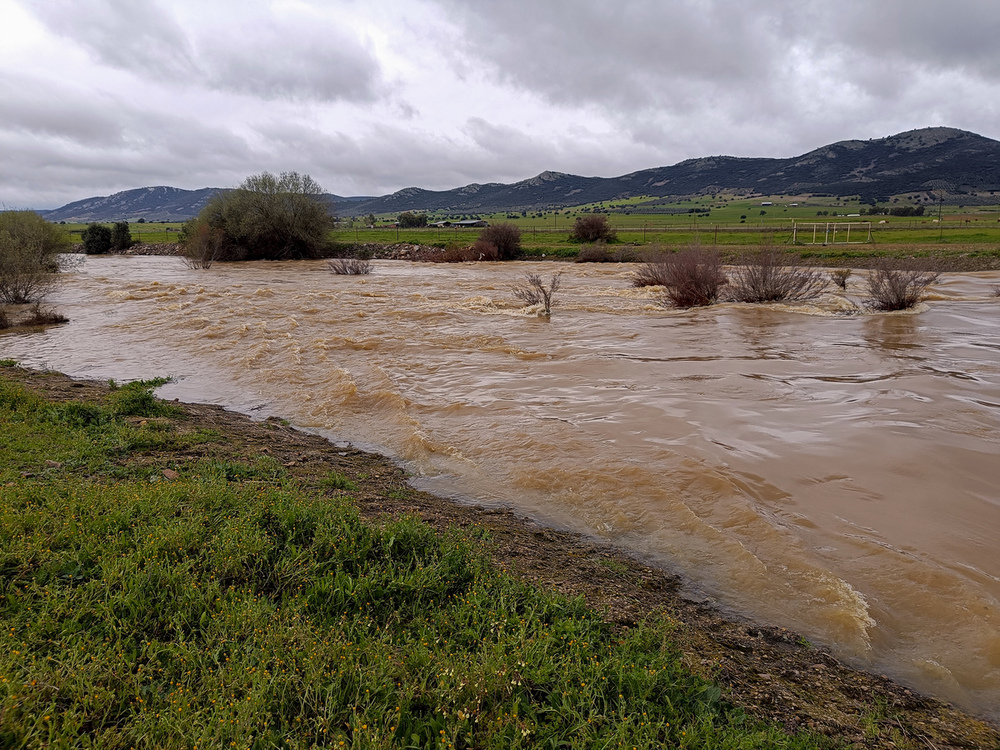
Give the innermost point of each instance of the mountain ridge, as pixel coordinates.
(945, 162)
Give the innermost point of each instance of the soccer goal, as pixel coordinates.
(832, 233)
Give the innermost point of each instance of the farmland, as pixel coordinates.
(729, 222)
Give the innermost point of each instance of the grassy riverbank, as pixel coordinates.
(177, 576)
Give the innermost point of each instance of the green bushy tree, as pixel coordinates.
(409, 220)
(28, 249)
(267, 217)
(121, 237)
(97, 239)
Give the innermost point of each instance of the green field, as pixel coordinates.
(147, 233)
(723, 221)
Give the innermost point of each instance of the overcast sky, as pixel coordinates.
(370, 96)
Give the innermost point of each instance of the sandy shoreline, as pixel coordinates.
(770, 672)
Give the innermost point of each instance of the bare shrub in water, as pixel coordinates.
(201, 245)
(534, 292)
(897, 284)
(38, 316)
(350, 266)
(690, 278)
(769, 275)
(653, 271)
(840, 276)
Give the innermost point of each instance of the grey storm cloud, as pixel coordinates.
(375, 95)
(272, 57)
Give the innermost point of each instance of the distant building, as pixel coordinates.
(463, 223)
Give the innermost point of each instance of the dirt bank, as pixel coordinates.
(770, 672)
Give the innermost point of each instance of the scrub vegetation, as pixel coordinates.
(897, 284)
(593, 228)
(267, 217)
(162, 589)
(769, 275)
(690, 278)
(350, 266)
(533, 291)
(29, 265)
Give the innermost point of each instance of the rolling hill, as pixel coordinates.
(931, 163)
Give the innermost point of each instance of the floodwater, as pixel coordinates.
(833, 473)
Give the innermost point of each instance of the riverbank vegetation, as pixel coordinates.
(29, 248)
(151, 603)
(267, 217)
(179, 576)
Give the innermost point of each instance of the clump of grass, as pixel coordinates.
(839, 276)
(897, 284)
(768, 275)
(350, 266)
(337, 481)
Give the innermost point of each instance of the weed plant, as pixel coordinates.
(228, 607)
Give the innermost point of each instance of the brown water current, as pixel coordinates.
(833, 473)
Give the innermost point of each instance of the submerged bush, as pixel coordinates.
(28, 263)
(839, 276)
(267, 217)
(596, 253)
(689, 278)
(897, 284)
(350, 266)
(534, 292)
(768, 275)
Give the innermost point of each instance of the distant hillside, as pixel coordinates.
(149, 203)
(947, 162)
(940, 160)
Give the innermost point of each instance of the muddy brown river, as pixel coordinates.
(834, 473)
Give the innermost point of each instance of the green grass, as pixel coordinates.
(231, 607)
(147, 232)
